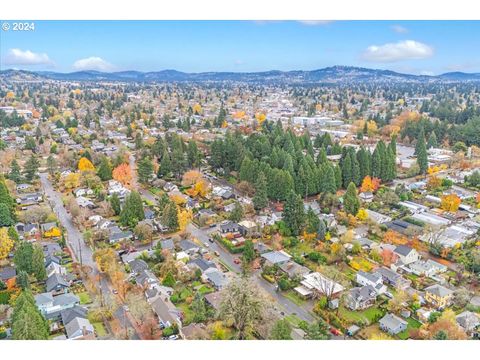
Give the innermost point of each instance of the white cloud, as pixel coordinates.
(26, 57)
(315, 22)
(399, 29)
(93, 63)
(402, 50)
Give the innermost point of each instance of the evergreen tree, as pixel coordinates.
(104, 171)
(6, 198)
(22, 280)
(422, 156)
(193, 155)
(351, 202)
(27, 321)
(31, 168)
(347, 170)
(51, 165)
(260, 200)
(432, 140)
(237, 213)
(38, 264)
(5, 216)
(312, 222)
(281, 330)
(330, 184)
(294, 215)
(145, 170)
(15, 172)
(115, 204)
(170, 216)
(23, 257)
(165, 165)
(338, 176)
(322, 230)
(132, 211)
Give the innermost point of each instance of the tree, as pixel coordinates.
(193, 155)
(322, 230)
(144, 232)
(85, 164)
(115, 204)
(31, 168)
(199, 308)
(294, 213)
(243, 306)
(15, 172)
(27, 321)
(104, 171)
(432, 140)
(6, 243)
(123, 174)
(170, 216)
(132, 211)
(281, 330)
(169, 280)
(165, 165)
(145, 170)
(312, 222)
(51, 165)
(23, 257)
(237, 213)
(22, 280)
(5, 216)
(351, 201)
(370, 184)
(38, 263)
(450, 202)
(315, 331)
(446, 327)
(248, 254)
(260, 199)
(421, 152)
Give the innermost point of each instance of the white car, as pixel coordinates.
(206, 244)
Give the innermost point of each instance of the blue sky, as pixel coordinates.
(420, 47)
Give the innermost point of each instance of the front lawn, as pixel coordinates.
(294, 297)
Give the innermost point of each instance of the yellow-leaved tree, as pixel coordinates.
(6, 244)
(185, 216)
(85, 165)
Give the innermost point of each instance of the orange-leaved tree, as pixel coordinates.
(122, 173)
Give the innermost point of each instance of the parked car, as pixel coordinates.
(237, 261)
(335, 332)
(212, 225)
(217, 253)
(173, 337)
(210, 239)
(115, 291)
(206, 244)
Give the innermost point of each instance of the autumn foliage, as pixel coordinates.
(123, 174)
(450, 202)
(393, 237)
(85, 165)
(370, 184)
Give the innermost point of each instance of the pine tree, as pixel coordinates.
(322, 230)
(6, 198)
(338, 176)
(38, 264)
(104, 171)
(347, 170)
(237, 213)
(294, 215)
(260, 199)
(165, 165)
(115, 204)
(170, 216)
(193, 155)
(145, 170)
(5, 216)
(312, 222)
(15, 172)
(51, 165)
(132, 211)
(432, 140)
(421, 152)
(351, 202)
(31, 168)
(27, 321)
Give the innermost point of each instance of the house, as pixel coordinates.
(214, 299)
(360, 298)
(165, 310)
(248, 227)
(469, 322)
(80, 328)
(55, 268)
(85, 202)
(52, 306)
(378, 217)
(51, 249)
(69, 314)
(393, 279)
(215, 277)
(275, 257)
(137, 266)
(229, 227)
(406, 254)
(82, 192)
(56, 283)
(50, 230)
(366, 196)
(293, 270)
(392, 324)
(120, 236)
(318, 284)
(202, 264)
(371, 279)
(167, 244)
(189, 247)
(7, 273)
(438, 296)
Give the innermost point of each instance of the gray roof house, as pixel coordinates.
(79, 328)
(276, 257)
(468, 321)
(215, 277)
(51, 306)
(56, 283)
(392, 324)
(69, 314)
(360, 298)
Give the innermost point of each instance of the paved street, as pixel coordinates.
(76, 244)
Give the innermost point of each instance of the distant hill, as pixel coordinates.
(334, 74)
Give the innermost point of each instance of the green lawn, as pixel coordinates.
(412, 324)
(293, 320)
(205, 289)
(99, 329)
(187, 313)
(293, 297)
(368, 315)
(84, 298)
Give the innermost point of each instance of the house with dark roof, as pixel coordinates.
(229, 227)
(202, 264)
(406, 254)
(69, 314)
(360, 298)
(80, 328)
(7, 273)
(215, 277)
(56, 283)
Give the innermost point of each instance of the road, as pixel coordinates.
(81, 252)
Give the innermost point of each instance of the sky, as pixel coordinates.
(415, 47)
